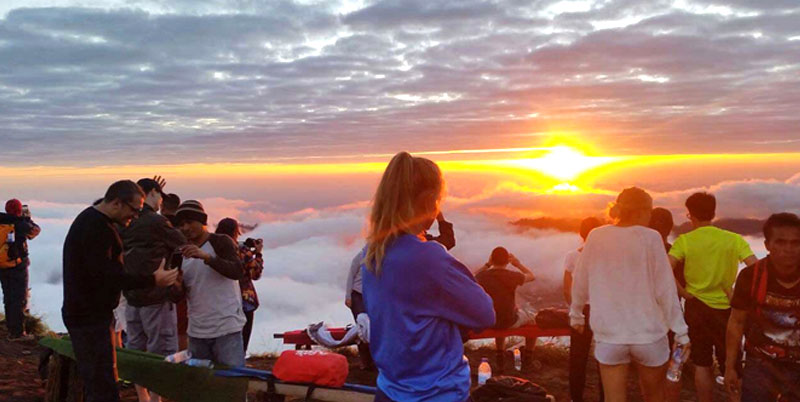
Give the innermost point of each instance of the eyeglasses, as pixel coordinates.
(136, 211)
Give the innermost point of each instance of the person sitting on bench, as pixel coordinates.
(501, 284)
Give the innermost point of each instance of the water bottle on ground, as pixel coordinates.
(199, 363)
(484, 371)
(179, 357)
(517, 359)
(679, 357)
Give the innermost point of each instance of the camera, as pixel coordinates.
(175, 260)
(252, 243)
(26, 212)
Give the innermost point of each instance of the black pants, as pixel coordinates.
(579, 347)
(357, 307)
(707, 329)
(15, 297)
(95, 358)
(248, 329)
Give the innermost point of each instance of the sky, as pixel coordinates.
(284, 114)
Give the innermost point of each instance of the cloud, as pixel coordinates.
(144, 81)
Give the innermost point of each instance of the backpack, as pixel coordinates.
(9, 257)
(758, 290)
(509, 389)
(311, 366)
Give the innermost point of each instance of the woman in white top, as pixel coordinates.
(625, 273)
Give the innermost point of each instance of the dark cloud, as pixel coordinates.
(281, 79)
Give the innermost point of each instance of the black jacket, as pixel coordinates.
(23, 227)
(93, 271)
(148, 239)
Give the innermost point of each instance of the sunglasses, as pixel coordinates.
(135, 210)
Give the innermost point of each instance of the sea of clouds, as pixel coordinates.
(308, 251)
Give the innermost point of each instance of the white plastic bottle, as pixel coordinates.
(484, 371)
(179, 357)
(679, 357)
(517, 359)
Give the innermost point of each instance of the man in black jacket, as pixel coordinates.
(152, 323)
(93, 278)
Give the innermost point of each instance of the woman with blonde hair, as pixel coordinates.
(419, 298)
(626, 274)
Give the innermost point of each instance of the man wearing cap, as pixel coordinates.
(151, 315)
(18, 229)
(211, 272)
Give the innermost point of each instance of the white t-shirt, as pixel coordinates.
(214, 301)
(626, 273)
(571, 260)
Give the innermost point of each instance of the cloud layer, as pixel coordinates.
(155, 81)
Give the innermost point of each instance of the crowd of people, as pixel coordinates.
(186, 287)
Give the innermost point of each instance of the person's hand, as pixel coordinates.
(192, 251)
(348, 303)
(259, 245)
(579, 328)
(161, 181)
(513, 260)
(439, 217)
(732, 381)
(163, 277)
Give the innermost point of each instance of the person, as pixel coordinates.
(766, 311)
(93, 278)
(710, 258)
(211, 272)
(501, 284)
(253, 260)
(419, 298)
(354, 300)
(169, 206)
(624, 271)
(151, 321)
(16, 228)
(579, 343)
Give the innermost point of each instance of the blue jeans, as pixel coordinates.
(763, 380)
(95, 358)
(381, 397)
(226, 349)
(15, 297)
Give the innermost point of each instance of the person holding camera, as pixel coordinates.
(16, 228)
(151, 320)
(250, 254)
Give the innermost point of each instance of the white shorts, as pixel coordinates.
(649, 354)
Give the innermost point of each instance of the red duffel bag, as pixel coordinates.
(311, 366)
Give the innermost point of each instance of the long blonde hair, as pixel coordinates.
(408, 194)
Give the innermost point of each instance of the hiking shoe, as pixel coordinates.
(22, 338)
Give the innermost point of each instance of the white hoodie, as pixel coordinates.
(626, 273)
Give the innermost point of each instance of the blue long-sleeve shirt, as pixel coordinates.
(417, 308)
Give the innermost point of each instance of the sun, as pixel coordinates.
(564, 163)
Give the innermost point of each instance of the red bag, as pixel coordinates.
(311, 366)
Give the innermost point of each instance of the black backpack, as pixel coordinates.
(509, 389)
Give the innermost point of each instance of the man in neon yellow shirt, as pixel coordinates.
(711, 258)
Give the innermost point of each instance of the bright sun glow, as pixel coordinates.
(564, 163)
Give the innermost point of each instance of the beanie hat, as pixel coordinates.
(192, 210)
(14, 207)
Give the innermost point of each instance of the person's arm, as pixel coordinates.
(483, 267)
(172, 237)
(568, 287)
(447, 237)
(666, 292)
(460, 298)
(226, 263)
(675, 264)
(106, 272)
(733, 342)
(33, 230)
(751, 260)
(580, 287)
(529, 276)
(355, 268)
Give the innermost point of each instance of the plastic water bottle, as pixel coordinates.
(199, 363)
(179, 357)
(679, 357)
(517, 359)
(10, 238)
(484, 371)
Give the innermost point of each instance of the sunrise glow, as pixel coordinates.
(564, 163)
